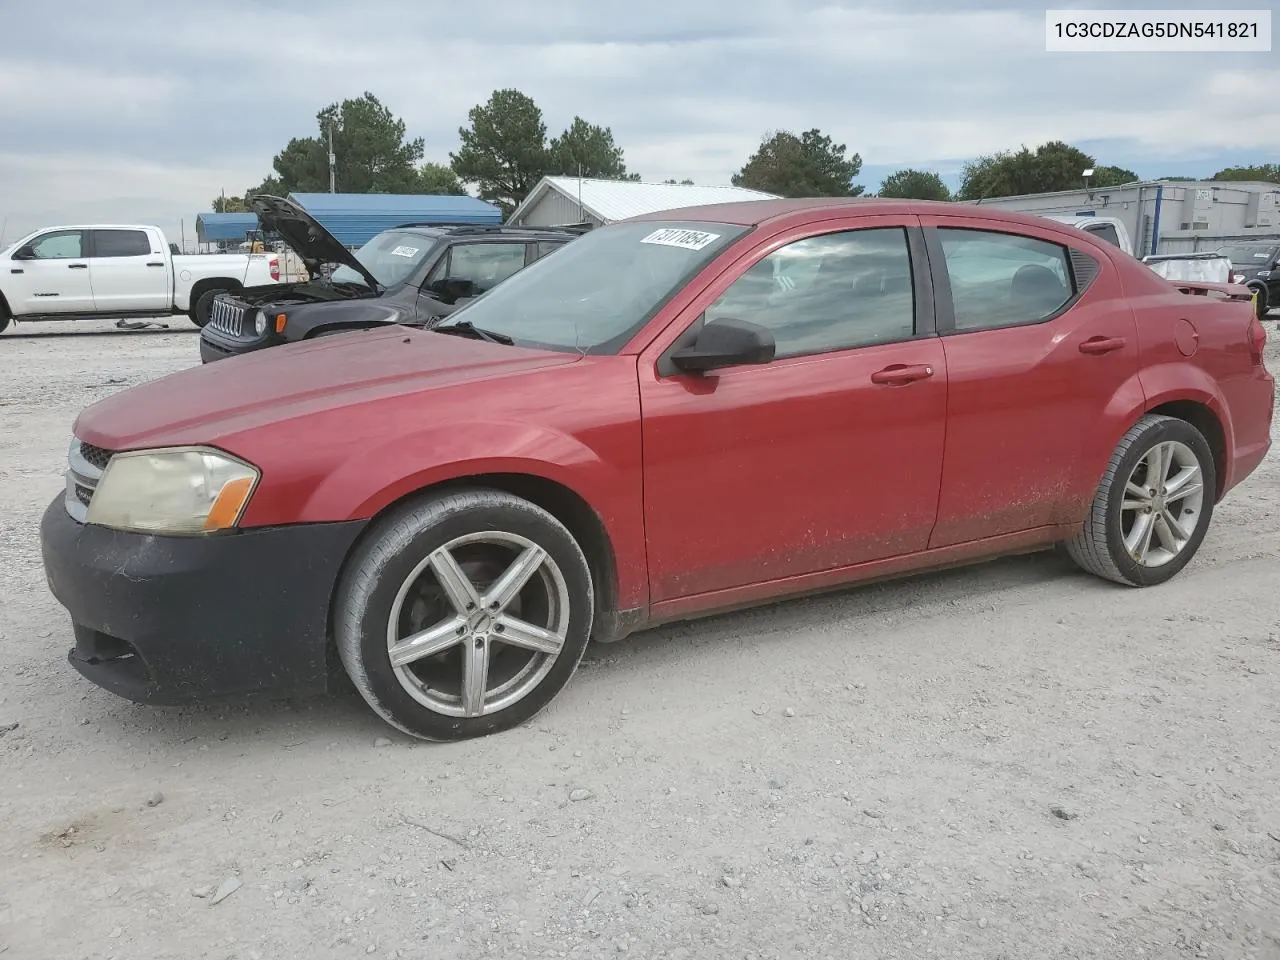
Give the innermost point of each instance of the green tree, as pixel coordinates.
(683, 183)
(372, 154)
(504, 150)
(1050, 167)
(914, 185)
(272, 187)
(1263, 171)
(439, 180)
(223, 204)
(585, 150)
(1112, 176)
(809, 165)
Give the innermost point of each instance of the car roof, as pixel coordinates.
(755, 213)
(481, 229)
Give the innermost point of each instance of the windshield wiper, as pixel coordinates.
(469, 329)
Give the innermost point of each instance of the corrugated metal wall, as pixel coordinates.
(224, 227)
(354, 219)
(555, 210)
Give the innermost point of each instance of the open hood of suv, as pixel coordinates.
(315, 245)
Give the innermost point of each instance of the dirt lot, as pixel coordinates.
(869, 774)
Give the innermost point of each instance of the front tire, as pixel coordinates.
(204, 304)
(463, 614)
(1153, 507)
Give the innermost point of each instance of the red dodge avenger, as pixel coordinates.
(676, 414)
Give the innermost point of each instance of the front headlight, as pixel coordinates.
(177, 490)
(260, 323)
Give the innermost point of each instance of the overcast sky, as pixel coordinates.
(142, 111)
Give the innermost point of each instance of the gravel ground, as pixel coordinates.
(1010, 761)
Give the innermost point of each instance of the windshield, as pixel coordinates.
(389, 256)
(595, 293)
(1249, 254)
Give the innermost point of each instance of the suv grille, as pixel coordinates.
(85, 465)
(227, 316)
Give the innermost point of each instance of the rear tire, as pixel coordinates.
(1153, 506)
(4, 322)
(431, 637)
(199, 312)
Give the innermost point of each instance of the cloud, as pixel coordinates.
(146, 111)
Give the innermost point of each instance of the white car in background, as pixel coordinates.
(116, 271)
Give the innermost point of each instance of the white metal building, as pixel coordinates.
(564, 201)
(1169, 216)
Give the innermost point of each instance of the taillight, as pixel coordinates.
(1257, 339)
(274, 262)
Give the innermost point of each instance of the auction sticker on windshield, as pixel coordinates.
(404, 251)
(687, 239)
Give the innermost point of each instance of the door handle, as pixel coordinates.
(16, 270)
(899, 374)
(155, 264)
(1102, 344)
(77, 266)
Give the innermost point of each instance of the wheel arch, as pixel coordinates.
(1201, 416)
(205, 283)
(569, 507)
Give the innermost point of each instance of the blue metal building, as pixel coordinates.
(224, 227)
(355, 218)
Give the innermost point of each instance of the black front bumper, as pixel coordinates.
(173, 620)
(215, 346)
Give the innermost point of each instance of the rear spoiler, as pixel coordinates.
(1227, 291)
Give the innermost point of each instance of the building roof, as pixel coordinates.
(354, 218)
(223, 227)
(611, 200)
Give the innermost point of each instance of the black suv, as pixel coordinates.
(414, 274)
(1256, 264)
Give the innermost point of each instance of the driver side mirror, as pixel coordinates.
(452, 289)
(726, 342)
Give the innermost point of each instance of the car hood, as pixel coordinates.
(202, 405)
(313, 244)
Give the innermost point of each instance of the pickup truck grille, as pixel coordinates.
(85, 465)
(227, 316)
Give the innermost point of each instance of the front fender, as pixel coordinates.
(374, 477)
(305, 321)
(378, 476)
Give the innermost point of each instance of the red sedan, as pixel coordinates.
(677, 414)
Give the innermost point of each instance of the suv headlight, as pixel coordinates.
(260, 323)
(180, 490)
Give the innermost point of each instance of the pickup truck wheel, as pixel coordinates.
(463, 615)
(204, 304)
(1153, 506)
(4, 322)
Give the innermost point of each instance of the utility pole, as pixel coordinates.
(332, 162)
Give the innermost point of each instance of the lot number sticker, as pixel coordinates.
(404, 251)
(686, 239)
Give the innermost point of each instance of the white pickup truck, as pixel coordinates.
(117, 271)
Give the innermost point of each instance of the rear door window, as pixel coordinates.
(1004, 279)
(121, 243)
